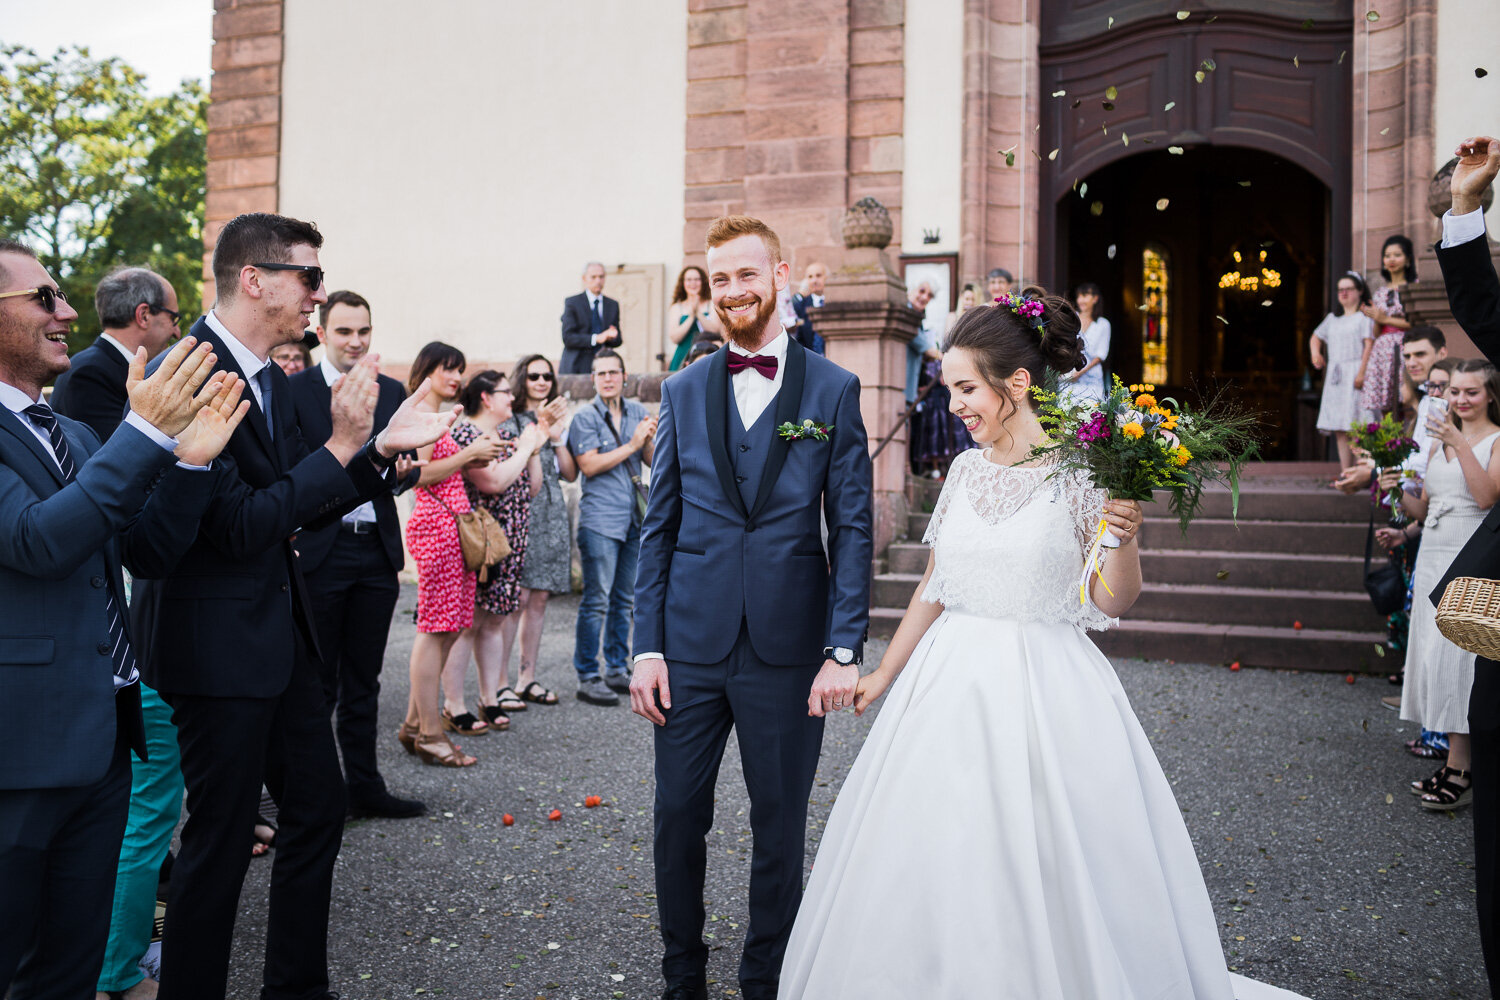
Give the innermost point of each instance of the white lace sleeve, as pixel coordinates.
(1087, 503)
(951, 485)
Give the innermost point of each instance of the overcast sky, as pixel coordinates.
(168, 40)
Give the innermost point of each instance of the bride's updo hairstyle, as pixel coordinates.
(1035, 330)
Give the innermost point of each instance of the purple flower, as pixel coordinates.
(1373, 428)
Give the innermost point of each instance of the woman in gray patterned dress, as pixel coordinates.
(548, 567)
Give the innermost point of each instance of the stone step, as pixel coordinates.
(893, 590)
(1333, 650)
(1315, 609)
(907, 557)
(1263, 569)
(1255, 536)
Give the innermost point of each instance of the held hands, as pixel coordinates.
(414, 426)
(870, 687)
(649, 677)
(1124, 518)
(1478, 163)
(201, 441)
(833, 689)
(166, 400)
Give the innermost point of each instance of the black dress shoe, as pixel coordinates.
(686, 991)
(384, 805)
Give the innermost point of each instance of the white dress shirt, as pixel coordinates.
(1462, 228)
(365, 512)
(753, 392)
(128, 354)
(16, 401)
(248, 361)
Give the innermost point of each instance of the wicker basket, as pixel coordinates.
(1469, 615)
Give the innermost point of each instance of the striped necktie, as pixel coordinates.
(122, 657)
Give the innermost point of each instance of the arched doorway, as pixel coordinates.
(1212, 264)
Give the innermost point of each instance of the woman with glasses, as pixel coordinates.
(505, 488)
(549, 556)
(692, 314)
(445, 588)
(292, 358)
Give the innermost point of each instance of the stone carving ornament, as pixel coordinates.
(867, 224)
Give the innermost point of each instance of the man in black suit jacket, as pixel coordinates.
(71, 511)
(351, 564)
(233, 647)
(814, 280)
(1474, 296)
(590, 320)
(137, 308)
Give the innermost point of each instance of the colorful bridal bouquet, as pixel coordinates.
(1388, 446)
(1132, 444)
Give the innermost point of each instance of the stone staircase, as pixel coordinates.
(1226, 591)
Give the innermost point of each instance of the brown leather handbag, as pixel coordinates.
(480, 537)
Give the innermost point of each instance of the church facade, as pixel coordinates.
(1213, 168)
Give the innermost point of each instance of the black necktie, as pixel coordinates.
(122, 658)
(263, 379)
(599, 315)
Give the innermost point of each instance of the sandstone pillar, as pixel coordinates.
(866, 324)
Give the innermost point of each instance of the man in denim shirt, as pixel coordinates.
(610, 438)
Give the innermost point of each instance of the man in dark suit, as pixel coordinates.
(351, 564)
(1474, 296)
(760, 630)
(70, 509)
(234, 647)
(137, 308)
(590, 320)
(810, 296)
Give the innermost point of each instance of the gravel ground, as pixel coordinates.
(1325, 877)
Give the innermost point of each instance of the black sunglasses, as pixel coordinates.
(46, 294)
(539, 376)
(312, 274)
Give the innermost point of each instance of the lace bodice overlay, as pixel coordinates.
(1009, 542)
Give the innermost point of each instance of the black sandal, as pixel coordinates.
(508, 700)
(537, 694)
(1429, 784)
(1450, 794)
(466, 723)
(495, 716)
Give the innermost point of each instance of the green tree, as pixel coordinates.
(95, 173)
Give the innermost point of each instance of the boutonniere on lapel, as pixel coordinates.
(808, 429)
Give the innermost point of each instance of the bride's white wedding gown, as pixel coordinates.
(1006, 830)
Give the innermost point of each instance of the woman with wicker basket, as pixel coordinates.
(1463, 481)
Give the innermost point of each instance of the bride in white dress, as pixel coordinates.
(1006, 831)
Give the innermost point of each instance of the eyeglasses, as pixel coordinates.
(176, 316)
(312, 274)
(539, 376)
(46, 294)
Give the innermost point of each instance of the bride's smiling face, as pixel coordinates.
(979, 405)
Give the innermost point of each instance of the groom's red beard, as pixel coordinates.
(746, 331)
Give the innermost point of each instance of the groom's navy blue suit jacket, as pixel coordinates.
(709, 559)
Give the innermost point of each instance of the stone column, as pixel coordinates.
(866, 324)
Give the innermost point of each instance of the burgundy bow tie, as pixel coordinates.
(763, 363)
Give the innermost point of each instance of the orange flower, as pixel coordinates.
(1145, 401)
(1132, 430)
(1181, 455)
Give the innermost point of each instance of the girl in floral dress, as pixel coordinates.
(1381, 393)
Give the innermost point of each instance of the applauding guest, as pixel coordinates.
(505, 488)
(233, 648)
(590, 322)
(548, 566)
(351, 564)
(71, 509)
(445, 588)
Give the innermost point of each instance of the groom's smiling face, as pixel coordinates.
(744, 281)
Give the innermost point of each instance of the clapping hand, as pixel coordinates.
(202, 440)
(166, 399)
(482, 450)
(414, 426)
(353, 408)
(531, 439)
(643, 433)
(552, 418)
(1478, 163)
(1379, 315)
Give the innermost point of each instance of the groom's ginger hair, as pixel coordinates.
(732, 227)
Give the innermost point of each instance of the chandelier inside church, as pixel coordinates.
(1250, 280)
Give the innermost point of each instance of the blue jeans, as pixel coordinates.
(608, 600)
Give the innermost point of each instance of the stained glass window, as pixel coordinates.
(1156, 303)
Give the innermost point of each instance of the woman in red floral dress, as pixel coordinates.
(504, 488)
(445, 589)
(1382, 388)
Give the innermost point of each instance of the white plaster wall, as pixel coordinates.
(1466, 105)
(464, 158)
(931, 188)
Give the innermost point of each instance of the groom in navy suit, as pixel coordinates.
(742, 619)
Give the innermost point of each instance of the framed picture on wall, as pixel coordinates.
(941, 271)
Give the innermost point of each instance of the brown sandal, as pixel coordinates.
(407, 735)
(450, 757)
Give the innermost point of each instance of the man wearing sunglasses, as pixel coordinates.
(234, 648)
(71, 511)
(137, 308)
(351, 564)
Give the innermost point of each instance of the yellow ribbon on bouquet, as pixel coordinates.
(1093, 564)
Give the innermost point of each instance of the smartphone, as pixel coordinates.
(1438, 408)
